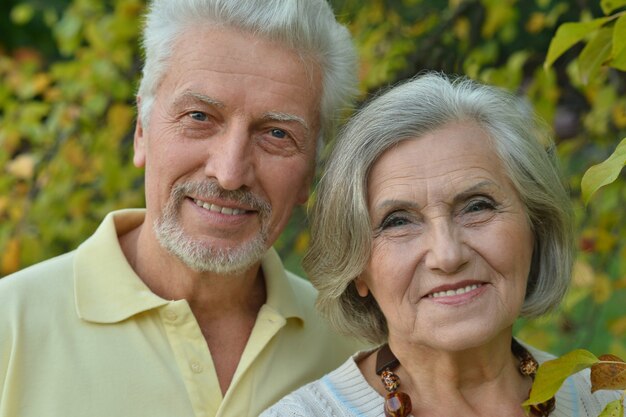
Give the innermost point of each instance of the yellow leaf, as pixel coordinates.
(617, 347)
(619, 114)
(302, 242)
(605, 241)
(11, 257)
(462, 27)
(603, 173)
(621, 283)
(72, 153)
(609, 373)
(536, 23)
(40, 82)
(602, 289)
(583, 275)
(618, 327)
(119, 119)
(551, 374)
(22, 166)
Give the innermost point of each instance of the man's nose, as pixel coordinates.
(231, 159)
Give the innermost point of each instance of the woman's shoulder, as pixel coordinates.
(574, 398)
(342, 392)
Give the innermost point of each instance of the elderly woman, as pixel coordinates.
(440, 220)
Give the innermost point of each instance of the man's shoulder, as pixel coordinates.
(38, 282)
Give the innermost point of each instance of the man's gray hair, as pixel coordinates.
(307, 26)
(341, 232)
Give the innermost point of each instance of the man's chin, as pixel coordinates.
(228, 261)
(205, 256)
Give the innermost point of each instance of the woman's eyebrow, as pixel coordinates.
(397, 203)
(483, 186)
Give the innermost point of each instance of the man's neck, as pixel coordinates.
(170, 279)
(225, 307)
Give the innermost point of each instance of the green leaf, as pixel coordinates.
(619, 61)
(67, 32)
(22, 13)
(609, 5)
(603, 173)
(594, 54)
(613, 409)
(618, 52)
(568, 35)
(551, 374)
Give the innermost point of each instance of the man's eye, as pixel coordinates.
(278, 133)
(198, 115)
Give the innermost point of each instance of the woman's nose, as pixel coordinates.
(446, 252)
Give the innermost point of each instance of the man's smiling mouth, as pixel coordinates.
(219, 209)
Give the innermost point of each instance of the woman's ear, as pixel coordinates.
(361, 286)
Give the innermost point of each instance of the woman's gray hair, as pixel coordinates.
(341, 233)
(307, 26)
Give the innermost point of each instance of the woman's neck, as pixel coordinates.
(481, 381)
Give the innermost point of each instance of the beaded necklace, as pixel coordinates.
(398, 403)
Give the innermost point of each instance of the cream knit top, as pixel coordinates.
(345, 393)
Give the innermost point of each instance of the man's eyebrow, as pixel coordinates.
(287, 117)
(188, 96)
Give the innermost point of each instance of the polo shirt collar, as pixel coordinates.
(107, 289)
(282, 297)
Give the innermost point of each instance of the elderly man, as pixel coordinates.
(183, 309)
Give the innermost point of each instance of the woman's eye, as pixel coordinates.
(394, 221)
(476, 206)
(198, 115)
(278, 133)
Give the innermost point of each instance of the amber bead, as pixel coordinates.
(397, 404)
(390, 380)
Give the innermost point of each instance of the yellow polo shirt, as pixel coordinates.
(81, 335)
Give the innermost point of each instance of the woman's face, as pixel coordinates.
(452, 244)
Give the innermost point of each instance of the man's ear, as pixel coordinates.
(139, 142)
(361, 286)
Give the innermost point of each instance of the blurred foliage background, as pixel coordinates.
(69, 69)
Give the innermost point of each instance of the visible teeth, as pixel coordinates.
(453, 292)
(219, 209)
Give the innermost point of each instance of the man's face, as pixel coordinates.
(230, 147)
